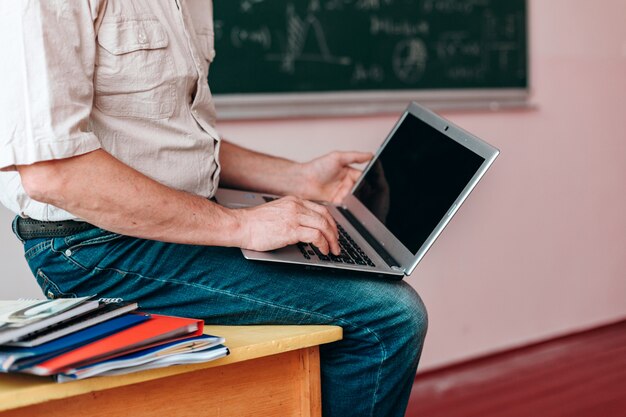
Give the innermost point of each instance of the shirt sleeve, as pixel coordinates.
(46, 80)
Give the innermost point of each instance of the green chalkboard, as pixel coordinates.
(297, 46)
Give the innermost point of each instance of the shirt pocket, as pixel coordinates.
(206, 43)
(135, 73)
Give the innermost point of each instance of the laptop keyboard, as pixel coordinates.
(351, 253)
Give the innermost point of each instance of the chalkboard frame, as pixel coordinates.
(360, 103)
(291, 105)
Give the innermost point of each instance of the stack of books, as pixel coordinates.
(77, 338)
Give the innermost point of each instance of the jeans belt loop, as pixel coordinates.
(14, 228)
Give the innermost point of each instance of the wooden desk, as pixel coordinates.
(271, 371)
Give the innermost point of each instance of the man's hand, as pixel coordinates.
(287, 221)
(327, 178)
(330, 177)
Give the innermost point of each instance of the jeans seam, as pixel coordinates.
(37, 249)
(380, 369)
(247, 298)
(69, 259)
(289, 308)
(93, 241)
(53, 284)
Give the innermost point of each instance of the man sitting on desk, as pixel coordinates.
(110, 157)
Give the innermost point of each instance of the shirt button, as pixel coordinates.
(50, 294)
(68, 253)
(142, 37)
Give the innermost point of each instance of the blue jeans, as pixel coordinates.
(368, 373)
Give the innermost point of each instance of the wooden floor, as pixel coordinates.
(573, 376)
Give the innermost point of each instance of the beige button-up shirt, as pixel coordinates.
(127, 76)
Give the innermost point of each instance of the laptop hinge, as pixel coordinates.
(380, 249)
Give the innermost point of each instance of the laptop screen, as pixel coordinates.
(415, 180)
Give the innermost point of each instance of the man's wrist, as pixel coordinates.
(233, 227)
(299, 181)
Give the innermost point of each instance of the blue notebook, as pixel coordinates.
(15, 358)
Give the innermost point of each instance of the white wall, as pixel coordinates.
(16, 280)
(539, 247)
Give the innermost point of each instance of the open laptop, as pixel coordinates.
(407, 194)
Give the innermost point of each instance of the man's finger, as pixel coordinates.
(323, 211)
(314, 236)
(347, 158)
(342, 191)
(347, 184)
(332, 233)
(354, 174)
(318, 222)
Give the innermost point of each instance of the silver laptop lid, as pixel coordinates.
(416, 182)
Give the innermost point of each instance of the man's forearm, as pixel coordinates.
(103, 191)
(249, 170)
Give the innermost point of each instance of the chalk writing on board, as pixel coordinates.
(357, 4)
(246, 6)
(409, 60)
(387, 26)
(453, 6)
(339, 45)
(298, 31)
(261, 36)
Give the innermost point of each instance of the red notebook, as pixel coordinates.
(153, 332)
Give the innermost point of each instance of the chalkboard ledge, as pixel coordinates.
(291, 105)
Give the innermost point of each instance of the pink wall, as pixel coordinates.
(540, 247)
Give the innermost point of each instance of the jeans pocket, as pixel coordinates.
(74, 244)
(50, 289)
(86, 249)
